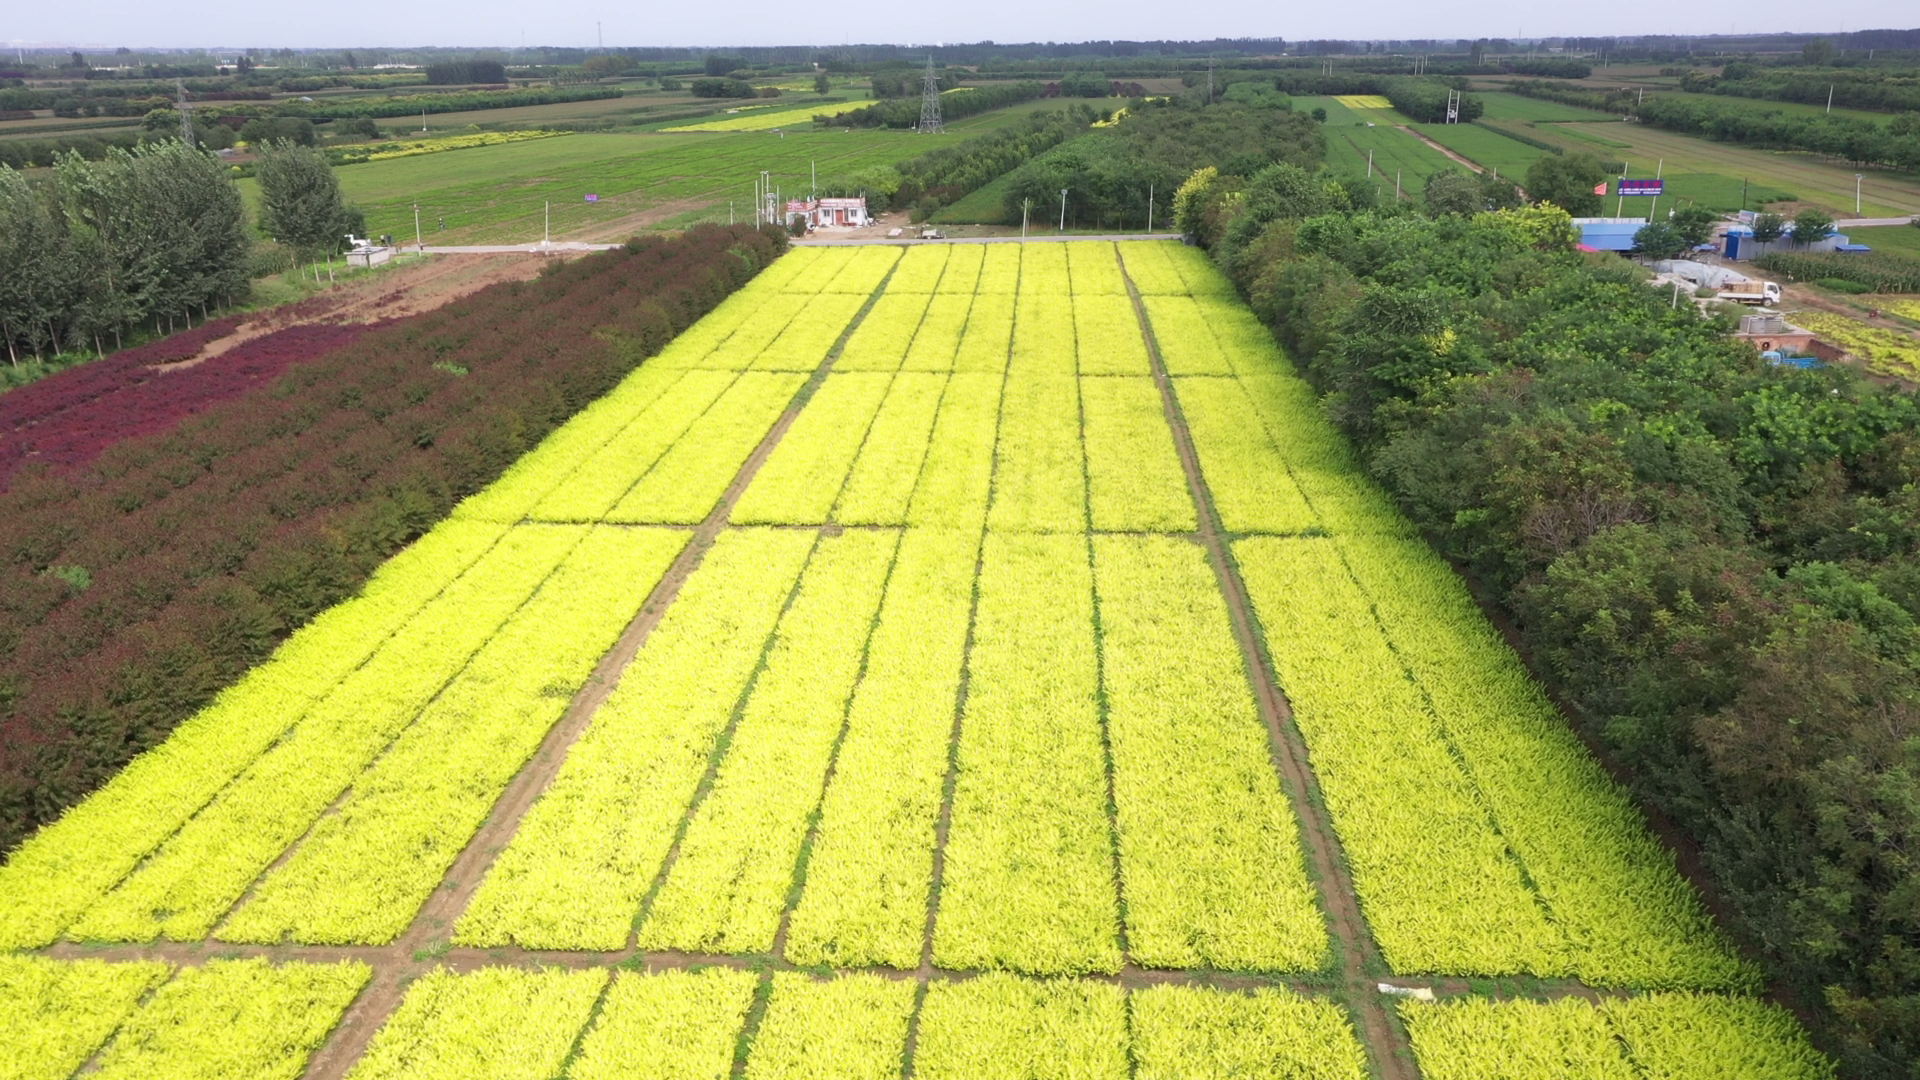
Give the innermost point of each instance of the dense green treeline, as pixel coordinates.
(1110, 174)
(956, 170)
(1895, 143)
(1870, 88)
(1714, 562)
(902, 112)
(945, 174)
(150, 235)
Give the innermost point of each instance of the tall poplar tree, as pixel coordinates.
(300, 200)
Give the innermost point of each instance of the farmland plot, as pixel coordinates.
(915, 644)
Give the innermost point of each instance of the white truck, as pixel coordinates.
(1730, 284)
(1751, 291)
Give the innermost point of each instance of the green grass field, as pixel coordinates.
(1489, 149)
(985, 206)
(1892, 239)
(981, 123)
(1812, 181)
(1486, 148)
(768, 116)
(497, 194)
(1349, 139)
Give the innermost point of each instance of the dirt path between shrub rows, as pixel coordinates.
(410, 288)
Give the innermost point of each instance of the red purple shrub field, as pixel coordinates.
(70, 418)
(215, 513)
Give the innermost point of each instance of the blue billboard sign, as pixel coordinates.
(1641, 187)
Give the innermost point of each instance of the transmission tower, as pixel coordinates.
(186, 114)
(930, 103)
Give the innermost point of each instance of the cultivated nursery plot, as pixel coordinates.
(233, 1018)
(977, 660)
(61, 1012)
(1656, 1037)
(494, 1024)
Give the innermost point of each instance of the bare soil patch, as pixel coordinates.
(408, 289)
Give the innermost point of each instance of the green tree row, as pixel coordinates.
(146, 238)
(905, 113)
(1110, 174)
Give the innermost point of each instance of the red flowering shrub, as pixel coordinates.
(132, 589)
(70, 418)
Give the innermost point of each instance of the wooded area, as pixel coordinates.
(154, 236)
(1710, 560)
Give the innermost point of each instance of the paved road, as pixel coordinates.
(504, 249)
(904, 239)
(1855, 223)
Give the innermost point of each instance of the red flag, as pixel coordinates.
(1600, 188)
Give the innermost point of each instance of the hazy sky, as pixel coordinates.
(337, 23)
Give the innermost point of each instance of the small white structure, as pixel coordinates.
(831, 212)
(366, 253)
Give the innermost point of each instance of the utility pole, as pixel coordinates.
(1829, 99)
(419, 242)
(1396, 185)
(1063, 209)
(813, 186)
(546, 236)
(1856, 194)
(1026, 205)
(1150, 209)
(1369, 164)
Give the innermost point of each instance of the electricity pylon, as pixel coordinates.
(930, 102)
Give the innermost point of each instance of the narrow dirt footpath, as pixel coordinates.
(1458, 157)
(1468, 162)
(407, 289)
(1353, 941)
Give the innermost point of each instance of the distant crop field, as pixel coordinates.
(1809, 179)
(769, 117)
(1491, 150)
(1486, 148)
(1394, 152)
(496, 194)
